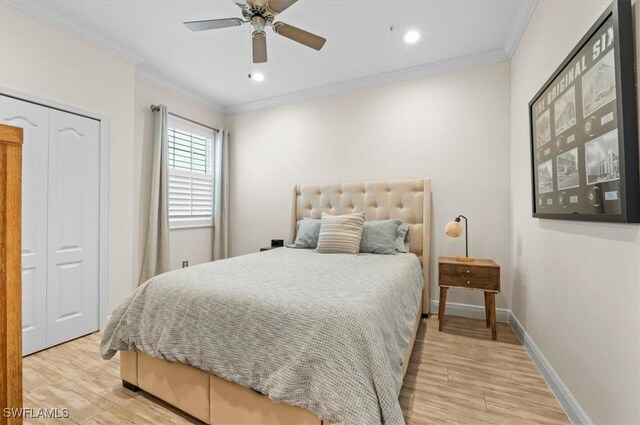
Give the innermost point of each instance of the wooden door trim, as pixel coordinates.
(10, 272)
(10, 134)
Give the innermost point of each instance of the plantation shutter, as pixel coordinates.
(190, 154)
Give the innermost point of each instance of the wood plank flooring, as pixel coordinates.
(459, 376)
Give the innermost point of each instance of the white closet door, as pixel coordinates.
(72, 281)
(34, 120)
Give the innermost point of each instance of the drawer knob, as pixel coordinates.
(468, 282)
(468, 271)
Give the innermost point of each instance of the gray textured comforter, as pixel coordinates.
(326, 332)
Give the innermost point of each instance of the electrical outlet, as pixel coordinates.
(185, 263)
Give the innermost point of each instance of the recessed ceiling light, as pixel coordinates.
(412, 36)
(257, 76)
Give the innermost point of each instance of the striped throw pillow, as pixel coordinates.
(340, 233)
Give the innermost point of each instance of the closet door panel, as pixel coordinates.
(72, 298)
(34, 119)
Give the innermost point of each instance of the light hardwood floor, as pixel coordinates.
(457, 376)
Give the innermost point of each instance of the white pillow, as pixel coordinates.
(340, 233)
(402, 239)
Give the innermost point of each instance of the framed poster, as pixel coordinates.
(584, 128)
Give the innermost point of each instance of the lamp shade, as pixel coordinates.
(453, 229)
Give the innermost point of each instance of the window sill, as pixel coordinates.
(189, 226)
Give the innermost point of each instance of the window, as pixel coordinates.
(190, 154)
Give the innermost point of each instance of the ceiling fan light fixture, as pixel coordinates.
(261, 14)
(258, 23)
(411, 37)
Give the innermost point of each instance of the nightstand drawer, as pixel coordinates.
(469, 271)
(491, 284)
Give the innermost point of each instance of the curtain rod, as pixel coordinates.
(157, 108)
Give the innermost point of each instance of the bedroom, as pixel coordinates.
(441, 120)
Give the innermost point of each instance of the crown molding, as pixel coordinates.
(449, 65)
(64, 23)
(454, 64)
(175, 90)
(518, 25)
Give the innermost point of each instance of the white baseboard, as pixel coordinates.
(572, 408)
(567, 401)
(471, 311)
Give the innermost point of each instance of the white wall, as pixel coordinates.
(576, 285)
(453, 128)
(193, 245)
(41, 60)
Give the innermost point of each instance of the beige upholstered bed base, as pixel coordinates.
(217, 401)
(214, 400)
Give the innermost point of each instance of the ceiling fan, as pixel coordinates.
(261, 13)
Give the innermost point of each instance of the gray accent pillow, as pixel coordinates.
(402, 239)
(307, 234)
(379, 237)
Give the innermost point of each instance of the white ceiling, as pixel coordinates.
(212, 66)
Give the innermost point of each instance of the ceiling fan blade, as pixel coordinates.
(213, 24)
(259, 40)
(298, 35)
(278, 6)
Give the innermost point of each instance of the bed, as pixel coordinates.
(286, 336)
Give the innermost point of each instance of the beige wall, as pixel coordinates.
(41, 60)
(193, 245)
(453, 128)
(576, 285)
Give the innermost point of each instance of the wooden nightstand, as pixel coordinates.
(480, 275)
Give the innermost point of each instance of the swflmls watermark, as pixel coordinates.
(43, 413)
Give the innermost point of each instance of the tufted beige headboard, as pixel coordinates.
(407, 200)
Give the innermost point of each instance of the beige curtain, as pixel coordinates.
(221, 196)
(156, 248)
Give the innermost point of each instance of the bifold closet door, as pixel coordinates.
(60, 222)
(34, 120)
(73, 226)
